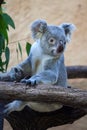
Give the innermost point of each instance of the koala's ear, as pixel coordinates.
(68, 29)
(38, 27)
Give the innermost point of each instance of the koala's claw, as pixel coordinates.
(32, 83)
(23, 81)
(8, 109)
(14, 106)
(28, 82)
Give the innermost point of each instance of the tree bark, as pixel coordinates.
(43, 93)
(74, 102)
(76, 72)
(27, 119)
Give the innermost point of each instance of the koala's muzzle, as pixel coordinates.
(60, 49)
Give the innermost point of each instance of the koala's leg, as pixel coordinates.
(14, 106)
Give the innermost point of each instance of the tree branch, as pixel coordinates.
(76, 72)
(74, 101)
(43, 93)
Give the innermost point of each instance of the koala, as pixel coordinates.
(44, 65)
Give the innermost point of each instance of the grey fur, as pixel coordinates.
(45, 63)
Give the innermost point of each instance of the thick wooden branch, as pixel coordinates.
(74, 101)
(43, 93)
(76, 72)
(28, 119)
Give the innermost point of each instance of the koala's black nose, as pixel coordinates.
(60, 48)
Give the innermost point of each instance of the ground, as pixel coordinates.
(54, 12)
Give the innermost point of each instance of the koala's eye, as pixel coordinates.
(52, 40)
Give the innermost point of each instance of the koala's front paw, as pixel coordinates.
(29, 82)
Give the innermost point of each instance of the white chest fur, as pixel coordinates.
(38, 59)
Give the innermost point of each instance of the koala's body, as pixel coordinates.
(44, 65)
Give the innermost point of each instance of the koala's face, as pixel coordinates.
(53, 41)
(52, 38)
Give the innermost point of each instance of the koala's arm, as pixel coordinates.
(54, 73)
(48, 76)
(45, 77)
(17, 72)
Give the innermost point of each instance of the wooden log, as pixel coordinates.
(43, 93)
(74, 102)
(76, 72)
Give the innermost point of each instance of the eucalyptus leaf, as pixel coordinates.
(28, 47)
(5, 21)
(3, 28)
(20, 49)
(7, 56)
(8, 20)
(1, 65)
(2, 43)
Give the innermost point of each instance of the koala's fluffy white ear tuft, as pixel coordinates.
(38, 27)
(68, 29)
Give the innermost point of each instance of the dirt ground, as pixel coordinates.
(54, 12)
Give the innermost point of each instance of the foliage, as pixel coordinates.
(19, 50)
(28, 46)
(5, 22)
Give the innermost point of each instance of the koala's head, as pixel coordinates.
(52, 39)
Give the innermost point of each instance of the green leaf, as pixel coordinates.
(3, 28)
(8, 20)
(20, 49)
(0, 62)
(3, 22)
(2, 43)
(7, 56)
(0, 10)
(28, 47)
(1, 65)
